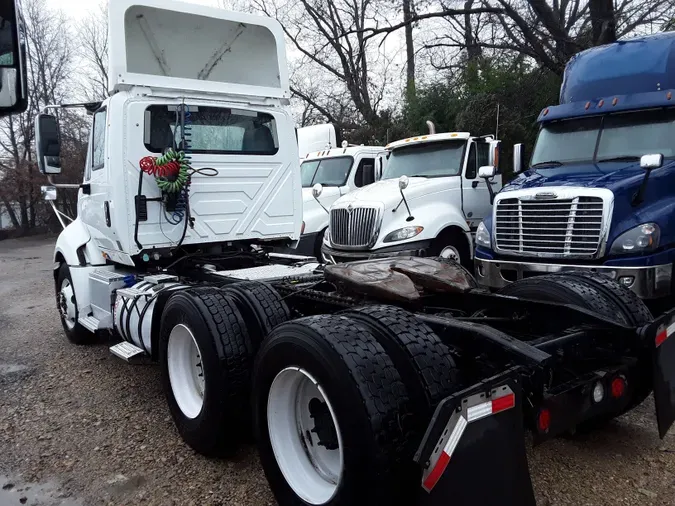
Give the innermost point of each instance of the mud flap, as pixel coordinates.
(474, 449)
(659, 338)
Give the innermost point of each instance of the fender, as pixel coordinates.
(75, 237)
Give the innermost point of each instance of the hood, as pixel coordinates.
(614, 176)
(387, 191)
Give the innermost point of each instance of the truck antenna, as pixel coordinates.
(497, 129)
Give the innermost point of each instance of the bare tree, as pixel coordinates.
(93, 43)
(329, 38)
(49, 58)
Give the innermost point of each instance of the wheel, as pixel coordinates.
(426, 367)
(67, 306)
(330, 414)
(262, 307)
(566, 289)
(637, 314)
(452, 245)
(603, 296)
(205, 359)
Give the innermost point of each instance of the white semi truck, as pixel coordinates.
(371, 383)
(338, 171)
(433, 194)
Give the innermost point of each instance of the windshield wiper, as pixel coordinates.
(550, 163)
(621, 159)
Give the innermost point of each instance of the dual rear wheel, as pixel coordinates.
(339, 402)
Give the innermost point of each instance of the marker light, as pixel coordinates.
(598, 392)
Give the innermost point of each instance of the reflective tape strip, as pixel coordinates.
(475, 412)
(491, 407)
(665, 334)
(444, 458)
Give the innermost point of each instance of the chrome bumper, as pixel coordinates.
(647, 282)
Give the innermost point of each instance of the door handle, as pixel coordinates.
(474, 184)
(106, 208)
(86, 188)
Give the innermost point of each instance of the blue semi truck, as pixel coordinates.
(599, 191)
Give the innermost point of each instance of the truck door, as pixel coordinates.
(364, 173)
(94, 202)
(475, 196)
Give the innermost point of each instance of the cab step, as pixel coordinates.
(128, 352)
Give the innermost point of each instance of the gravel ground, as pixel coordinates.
(80, 427)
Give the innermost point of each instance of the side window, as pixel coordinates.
(365, 173)
(98, 140)
(471, 169)
(482, 154)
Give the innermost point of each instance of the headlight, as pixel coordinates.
(642, 238)
(326, 237)
(403, 233)
(483, 236)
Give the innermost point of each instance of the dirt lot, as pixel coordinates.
(80, 427)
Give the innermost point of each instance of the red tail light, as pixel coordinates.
(618, 387)
(544, 420)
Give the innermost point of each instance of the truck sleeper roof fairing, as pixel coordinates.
(174, 45)
(626, 75)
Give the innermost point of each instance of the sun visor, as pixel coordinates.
(179, 46)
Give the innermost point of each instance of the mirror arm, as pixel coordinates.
(490, 190)
(322, 206)
(62, 185)
(638, 198)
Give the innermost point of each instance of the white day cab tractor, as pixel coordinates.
(433, 193)
(338, 171)
(391, 381)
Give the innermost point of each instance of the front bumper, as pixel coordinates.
(410, 249)
(651, 282)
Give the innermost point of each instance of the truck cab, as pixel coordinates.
(221, 100)
(338, 171)
(596, 195)
(429, 200)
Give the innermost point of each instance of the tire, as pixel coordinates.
(638, 314)
(75, 332)
(633, 306)
(457, 242)
(363, 392)
(566, 289)
(426, 367)
(261, 306)
(603, 296)
(218, 331)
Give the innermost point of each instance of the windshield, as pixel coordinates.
(436, 159)
(614, 137)
(327, 171)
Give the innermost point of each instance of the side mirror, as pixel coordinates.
(487, 171)
(48, 192)
(403, 182)
(13, 68)
(517, 158)
(48, 144)
(317, 190)
(649, 162)
(495, 147)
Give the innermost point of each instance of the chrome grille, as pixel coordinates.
(558, 227)
(354, 228)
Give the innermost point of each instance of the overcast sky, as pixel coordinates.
(76, 8)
